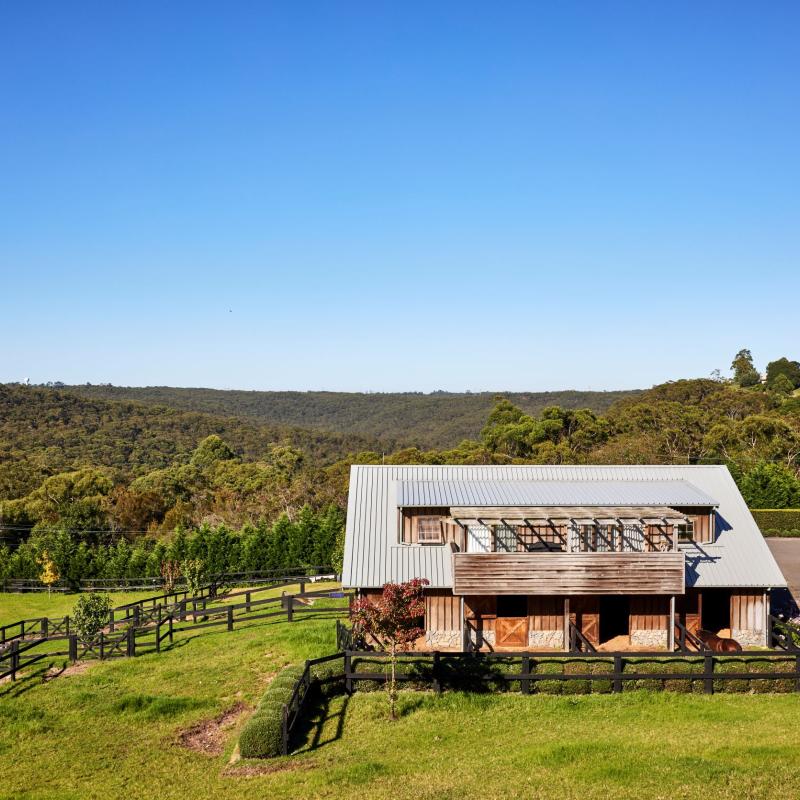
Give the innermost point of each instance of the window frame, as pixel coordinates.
(687, 535)
(430, 520)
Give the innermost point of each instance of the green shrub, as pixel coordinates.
(733, 685)
(643, 667)
(548, 667)
(323, 672)
(767, 685)
(777, 521)
(90, 615)
(261, 736)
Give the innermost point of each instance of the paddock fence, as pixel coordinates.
(135, 631)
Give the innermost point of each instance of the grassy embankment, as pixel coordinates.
(114, 730)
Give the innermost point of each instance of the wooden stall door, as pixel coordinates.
(584, 613)
(511, 632)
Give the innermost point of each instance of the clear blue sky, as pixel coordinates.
(386, 196)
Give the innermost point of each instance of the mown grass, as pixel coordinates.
(112, 731)
(31, 605)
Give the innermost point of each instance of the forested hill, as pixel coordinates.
(437, 420)
(45, 431)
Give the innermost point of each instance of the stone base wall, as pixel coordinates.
(749, 638)
(443, 640)
(546, 639)
(655, 639)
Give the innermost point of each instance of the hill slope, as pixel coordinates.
(437, 420)
(43, 431)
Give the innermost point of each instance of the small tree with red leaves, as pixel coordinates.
(394, 621)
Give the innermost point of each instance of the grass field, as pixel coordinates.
(114, 730)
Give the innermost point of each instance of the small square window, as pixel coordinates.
(429, 530)
(685, 531)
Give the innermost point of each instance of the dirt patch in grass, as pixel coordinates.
(254, 770)
(64, 672)
(208, 736)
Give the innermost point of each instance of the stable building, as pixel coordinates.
(535, 557)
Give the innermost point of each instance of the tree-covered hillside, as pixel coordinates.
(440, 419)
(45, 431)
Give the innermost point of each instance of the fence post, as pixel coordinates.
(348, 675)
(230, 618)
(73, 647)
(247, 602)
(131, 642)
(289, 607)
(525, 684)
(302, 587)
(45, 626)
(437, 684)
(136, 616)
(284, 730)
(617, 673)
(102, 651)
(170, 628)
(708, 674)
(111, 620)
(14, 659)
(797, 671)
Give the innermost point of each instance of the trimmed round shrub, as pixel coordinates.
(732, 685)
(261, 737)
(642, 667)
(331, 673)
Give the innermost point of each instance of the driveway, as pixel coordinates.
(787, 554)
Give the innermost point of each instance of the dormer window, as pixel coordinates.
(685, 531)
(429, 530)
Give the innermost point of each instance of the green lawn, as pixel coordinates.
(112, 731)
(30, 605)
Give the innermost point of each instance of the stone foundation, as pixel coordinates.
(749, 638)
(443, 640)
(546, 639)
(655, 639)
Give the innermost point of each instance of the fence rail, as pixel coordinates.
(254, 578)
(145, 632)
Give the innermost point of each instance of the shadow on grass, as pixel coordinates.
(321, 725)
(26, 681)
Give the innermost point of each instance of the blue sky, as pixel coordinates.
(397, 196)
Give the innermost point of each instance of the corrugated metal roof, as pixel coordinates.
(373, 555)
(550, 493)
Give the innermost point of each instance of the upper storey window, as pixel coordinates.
(685, 531)
(429, 530)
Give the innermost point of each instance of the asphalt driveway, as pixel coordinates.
(787, 554)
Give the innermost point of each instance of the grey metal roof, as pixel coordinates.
(373, 556)
(550, 493)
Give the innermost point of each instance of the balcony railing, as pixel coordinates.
(563, 573)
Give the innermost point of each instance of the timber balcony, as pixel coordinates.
(571, 552)
(548, 573)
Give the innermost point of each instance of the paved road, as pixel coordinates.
(787, 554)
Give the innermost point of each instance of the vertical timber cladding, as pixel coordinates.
(545, 622)
(748, 617)
(649, 620)
(442, 620)
(703, 523)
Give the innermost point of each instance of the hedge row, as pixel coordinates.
(262, 736)
(487, 675)
(777, 521)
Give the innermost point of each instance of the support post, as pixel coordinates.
(45, 626)
(708, 674)
(230, 618)
(437, 685)
(247, 602)
(525, 684)
(302, 587)
(348, 675)
(14, 659)
(285, 730)
(289, 607)
(671, 625)
(73, 648)
(170, 628)
(617, 673)
(111, 620)
(566, 624)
